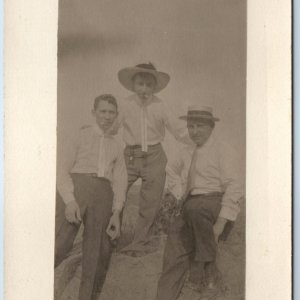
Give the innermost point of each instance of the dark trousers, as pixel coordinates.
(150, 167)
(191, 238)
(94, 197)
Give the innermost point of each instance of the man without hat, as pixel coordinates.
(204, 178)
(144, 118)
(91, 183)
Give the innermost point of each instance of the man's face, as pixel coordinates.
(105, 114)
(144, 86)
(199, 132)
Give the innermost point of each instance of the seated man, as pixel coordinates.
(205, 180)
(92, 183)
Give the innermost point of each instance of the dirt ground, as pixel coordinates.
(136, 278)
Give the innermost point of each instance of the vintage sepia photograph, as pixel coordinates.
(147, 150)
(151, 150)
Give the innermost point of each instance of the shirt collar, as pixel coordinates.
(210, 141)
(99, 131)
(139, 102)
(207, 144)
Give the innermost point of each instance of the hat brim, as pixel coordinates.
(125, 77)
(185, 118)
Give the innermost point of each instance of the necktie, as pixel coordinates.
(191, 174)
(101, 157)
(144, 129)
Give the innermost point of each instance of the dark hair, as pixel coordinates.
(105, 97)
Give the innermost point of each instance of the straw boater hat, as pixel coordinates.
(199, 112)
(125, 76)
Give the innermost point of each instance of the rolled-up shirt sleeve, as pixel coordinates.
(65, 162)
(119, 181)
(232, 184)
(176, 127)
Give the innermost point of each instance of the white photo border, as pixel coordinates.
(30, 149)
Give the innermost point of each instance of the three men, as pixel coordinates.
(93, 179)
(205, 180)
(92, 184)
(144, 118)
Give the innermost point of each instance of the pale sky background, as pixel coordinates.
(200, 43)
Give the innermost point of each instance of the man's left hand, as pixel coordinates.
(114, 227)
(219, 227)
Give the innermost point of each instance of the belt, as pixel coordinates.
(90, 174)
(207, 195)
(94, 175)
(212, 194)
(139, 146)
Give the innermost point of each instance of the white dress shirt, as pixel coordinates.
(215, 171)
(144, 123)
(91, 151)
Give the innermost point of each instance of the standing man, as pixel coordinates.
(144, 118)
(205, 180)
(92, 184)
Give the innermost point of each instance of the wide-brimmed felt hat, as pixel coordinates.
(125, 76)
(199, 112)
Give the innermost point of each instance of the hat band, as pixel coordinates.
(146, 66)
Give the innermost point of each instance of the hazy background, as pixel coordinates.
(200, 43)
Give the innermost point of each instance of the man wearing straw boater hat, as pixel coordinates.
(204, 180)
(144, 118)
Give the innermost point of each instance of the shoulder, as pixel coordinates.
(225, 150)
(82, 133)
(85, 130)
(130, 98)
(156, 99)
(160, 106)
(159, 103)
(222, 145)
(126, 103)
(76, 137)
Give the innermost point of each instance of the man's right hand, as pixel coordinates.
(72, 213)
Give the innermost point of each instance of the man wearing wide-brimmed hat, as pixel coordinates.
(144, 118)
(204, 179)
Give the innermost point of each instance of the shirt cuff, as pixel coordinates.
(229, 213)
(176, 192)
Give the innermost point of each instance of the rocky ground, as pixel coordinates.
(136, 278)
